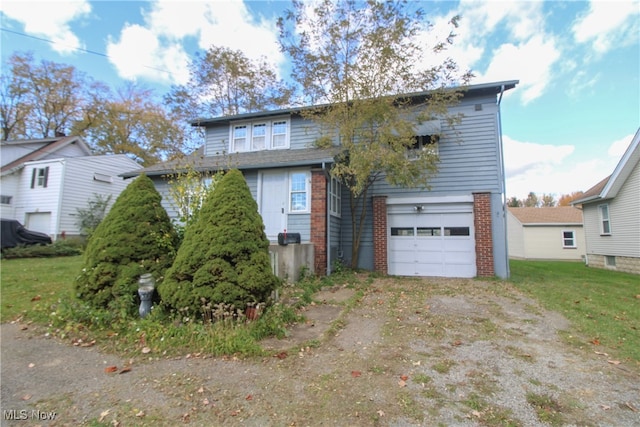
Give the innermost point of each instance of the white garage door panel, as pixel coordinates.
(432, 244)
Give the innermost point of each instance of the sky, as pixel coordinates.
(565, 126)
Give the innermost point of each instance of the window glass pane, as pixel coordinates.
(279, 134)
(399, 231)
(259, 137)
(239, 138)
(298, 202)
(456, 231)
(429, 231)
(298, 181)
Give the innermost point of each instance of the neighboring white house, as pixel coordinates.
(44, 182)
(611, 211)
(546, 233)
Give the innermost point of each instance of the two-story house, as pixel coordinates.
(44, 181)
(455, 229)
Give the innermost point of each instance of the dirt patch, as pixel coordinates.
(408, 352)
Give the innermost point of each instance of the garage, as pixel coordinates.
(431, 240)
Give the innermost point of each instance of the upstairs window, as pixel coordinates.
(605, 223)
(258, 136)
(423, 143)
(5, 200)
(40, 177)
(568, 239)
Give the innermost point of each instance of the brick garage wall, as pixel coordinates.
(319, 220)
(380, 234)
(484, 237)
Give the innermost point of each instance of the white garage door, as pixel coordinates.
(431, 244)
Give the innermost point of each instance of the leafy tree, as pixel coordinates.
(90, 217)
(133, 124)
(566, 199)
(531, 201)
(359, 58)
(136, 237)
(513, 202)
(44, 100)
(224, 257)
(548, 201)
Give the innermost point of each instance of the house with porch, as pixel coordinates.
(457, 228)
(611, 211)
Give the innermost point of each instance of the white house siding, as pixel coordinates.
(79, 186)
(9, 187)
(624, 240)
(515, 237)
(538, 245)
(40, 199)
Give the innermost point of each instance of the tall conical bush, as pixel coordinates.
(135, 237)
(224, 257)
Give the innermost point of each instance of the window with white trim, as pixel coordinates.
(335, 197)
(258, 136)
(299, 192)
(5, 200)
(40, 177)
(568, 239)
(605, 222)
(423, 143)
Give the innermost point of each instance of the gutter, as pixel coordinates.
(503, 183)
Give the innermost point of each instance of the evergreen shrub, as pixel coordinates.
(224, 257)
(135, 237)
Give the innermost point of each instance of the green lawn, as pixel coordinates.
(27, 282)
(602, 305)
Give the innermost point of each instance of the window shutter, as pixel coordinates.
(46, 176)
(33, 177)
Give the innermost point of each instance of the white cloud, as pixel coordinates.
(49, 19)
(608, 24)
(551, 169)
(159, 42)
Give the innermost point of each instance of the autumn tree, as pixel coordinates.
(566, 199)
(132, 123)
(45, 99)
(513, 202)
(359, 59)
(531, 201)
(548, 201)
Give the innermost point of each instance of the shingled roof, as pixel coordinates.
(561, 215)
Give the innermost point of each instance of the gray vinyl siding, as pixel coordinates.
(300, 223)
(625, 225)
(79, 185)
(335, 233)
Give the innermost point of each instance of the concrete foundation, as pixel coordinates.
(289, 260)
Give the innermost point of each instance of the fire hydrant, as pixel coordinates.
(146, 286)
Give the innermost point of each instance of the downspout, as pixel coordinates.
(503, 184)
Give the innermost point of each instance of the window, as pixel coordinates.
(299, 194)
(402, 231)
(102, 177)
(568, 239)
(610, 261)
(424, 143)
(605, 223)
(429, 231)
(259, 136)
(335, 197)
(5, 200)
(456, 231)
(239, 138)
(40, 177)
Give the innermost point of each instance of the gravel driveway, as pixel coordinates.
(407, 353)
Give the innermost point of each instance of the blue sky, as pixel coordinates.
(565, 126)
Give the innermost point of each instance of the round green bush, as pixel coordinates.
(135, 237)
(224, 257)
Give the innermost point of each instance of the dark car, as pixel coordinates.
(14, 234)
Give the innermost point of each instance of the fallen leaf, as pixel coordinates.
(146, 350)
(125, 370)
(36, 298)
(201, 390)
(205, 402)
(380, 413)
(356, 374)
(249, 397)
(457, 343)
(630, 406)
(103, 414)
(595, 341)
(281, 355)
(31, 365)
(140, 414)
(402, 383)
(24, 327)
(601, 353)
(404, 377)
(88, 344)
(476, 414)
(614, 362)
(605, 407)
(110, 369)
(26, 397)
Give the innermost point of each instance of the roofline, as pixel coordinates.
(555, 224)
(36, 155)
(483, 88)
